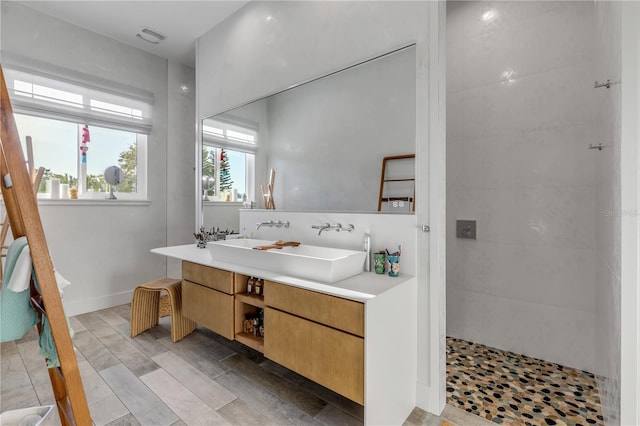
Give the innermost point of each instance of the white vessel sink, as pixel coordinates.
(315, 263)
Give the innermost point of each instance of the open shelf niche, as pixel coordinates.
(246, 304)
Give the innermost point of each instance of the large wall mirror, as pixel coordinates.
(325, 140)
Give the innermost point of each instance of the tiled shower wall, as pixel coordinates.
(608, 226)
(520, 118)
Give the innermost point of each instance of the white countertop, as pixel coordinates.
(359, 288)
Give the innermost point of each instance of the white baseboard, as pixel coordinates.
(77, 307)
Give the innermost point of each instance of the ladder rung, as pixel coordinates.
(400, 180)
(387, 199)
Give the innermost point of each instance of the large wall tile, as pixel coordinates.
(486, 162)
(555, 38)
(541, 216)
(556, 98)
(558, 277)
(541, 331)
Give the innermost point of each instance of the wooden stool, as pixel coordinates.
(145, 308)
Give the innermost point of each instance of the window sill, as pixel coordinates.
(90, 202)
(226, 203)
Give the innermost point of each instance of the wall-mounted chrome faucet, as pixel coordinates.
(271, 223)
(337, 227)
(322, 227)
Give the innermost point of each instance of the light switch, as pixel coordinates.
(466, 229)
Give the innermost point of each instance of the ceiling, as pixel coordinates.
(182, 22)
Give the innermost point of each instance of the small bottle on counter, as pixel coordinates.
(250, 285)
(258, 286)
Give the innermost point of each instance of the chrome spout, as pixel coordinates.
(322, 227)
(261, 224)
(336, 227)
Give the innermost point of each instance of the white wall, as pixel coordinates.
(181, 128)
(327, 138)
(268, 46)
(608, 221)
(518, 163)
(630, 218)
(103, 249)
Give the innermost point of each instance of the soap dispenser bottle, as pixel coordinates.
(366, 246)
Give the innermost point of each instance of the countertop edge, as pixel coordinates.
(350, 288)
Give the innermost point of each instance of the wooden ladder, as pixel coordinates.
(36, 178)
(410, 177)
(24, 218)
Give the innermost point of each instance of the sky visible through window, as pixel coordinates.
(237, 164)
(55, 145)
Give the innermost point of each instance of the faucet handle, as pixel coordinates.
(349, 227)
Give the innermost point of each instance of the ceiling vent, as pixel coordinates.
(150, 36)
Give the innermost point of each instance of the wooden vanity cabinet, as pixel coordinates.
(314, 334)
(318, 336)
(207, 297)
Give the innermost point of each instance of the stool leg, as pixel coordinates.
(144, 310)
(180, 326)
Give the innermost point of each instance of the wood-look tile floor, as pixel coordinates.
(202, 380)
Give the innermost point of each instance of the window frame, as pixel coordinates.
(223, 141)
(249, 172)
(92, 89)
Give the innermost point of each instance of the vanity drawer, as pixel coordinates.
(327, 356)
(207, 276)
(332, 311)
(208, 307)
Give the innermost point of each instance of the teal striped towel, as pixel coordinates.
(16, 314)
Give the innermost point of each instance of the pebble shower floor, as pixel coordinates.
(512, 389)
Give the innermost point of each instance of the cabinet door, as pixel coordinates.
(208, 307)
(327, 356)
(343, 314)
(207, 276)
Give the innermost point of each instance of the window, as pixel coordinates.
(228, 159)
(56, 147)
(54, 111)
